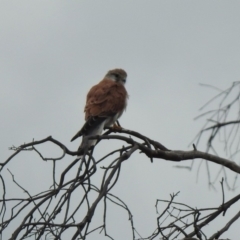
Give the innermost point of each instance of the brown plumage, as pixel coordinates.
(105, 98)
(105, 103)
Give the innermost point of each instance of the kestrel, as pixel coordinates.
(105, 103)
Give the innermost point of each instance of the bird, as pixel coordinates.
(105, 103)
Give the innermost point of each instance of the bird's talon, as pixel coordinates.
(115, 127)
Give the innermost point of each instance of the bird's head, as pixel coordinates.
(118, 75)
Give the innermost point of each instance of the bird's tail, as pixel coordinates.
(85, 146)
(90, 126)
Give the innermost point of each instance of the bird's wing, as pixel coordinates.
(103, 100)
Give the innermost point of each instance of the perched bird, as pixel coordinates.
(105, 103)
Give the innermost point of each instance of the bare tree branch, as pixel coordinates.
(53, 213)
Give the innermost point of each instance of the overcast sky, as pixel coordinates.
(52, 52)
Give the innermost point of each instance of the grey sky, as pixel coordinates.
(52, 52)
